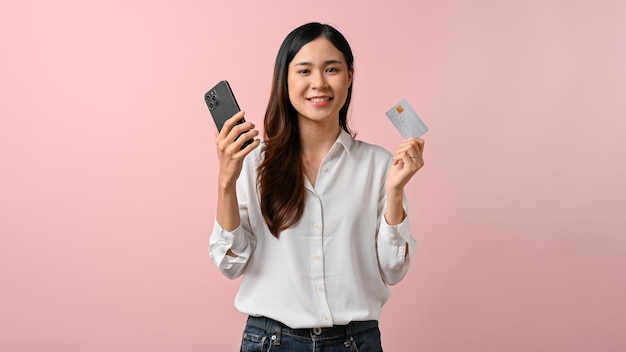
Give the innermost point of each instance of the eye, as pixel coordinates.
(304, 71)
(332, 69)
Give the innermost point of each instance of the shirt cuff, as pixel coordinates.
(396, 235)
(234, 240)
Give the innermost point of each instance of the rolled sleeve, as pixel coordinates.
(236, 241)
(392, 256)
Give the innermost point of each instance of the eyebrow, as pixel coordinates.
(327, 62)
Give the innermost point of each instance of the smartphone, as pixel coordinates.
(223, 105)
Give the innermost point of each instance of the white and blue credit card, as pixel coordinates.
(406, 120)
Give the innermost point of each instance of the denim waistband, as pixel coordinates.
(276, 327)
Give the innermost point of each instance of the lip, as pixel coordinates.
(321, 100)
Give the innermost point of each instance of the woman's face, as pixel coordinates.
(318, 80)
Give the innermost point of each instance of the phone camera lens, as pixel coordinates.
(211, 105)
(214, 97)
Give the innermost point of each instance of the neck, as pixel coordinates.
(317, 140)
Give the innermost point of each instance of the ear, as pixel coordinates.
(350, 75)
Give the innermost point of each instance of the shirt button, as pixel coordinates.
(325, 168)
(318, 256)
(317, 226)
(392, 236)
(229, 242)
(320, 288)
(325, 317)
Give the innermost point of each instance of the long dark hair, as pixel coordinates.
(281, 173)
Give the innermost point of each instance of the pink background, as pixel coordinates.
(108, 166)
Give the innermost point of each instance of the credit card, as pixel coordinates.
(406, 120)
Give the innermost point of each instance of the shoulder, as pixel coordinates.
(363, 148)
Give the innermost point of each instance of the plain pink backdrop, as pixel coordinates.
(108, 166)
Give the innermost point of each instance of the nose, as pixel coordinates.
(318, 80)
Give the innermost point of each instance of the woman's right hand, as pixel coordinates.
(229, 142)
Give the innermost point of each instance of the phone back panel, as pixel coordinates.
(222, 103)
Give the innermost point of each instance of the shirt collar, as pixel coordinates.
(345, 139)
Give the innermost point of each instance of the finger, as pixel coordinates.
(404, 156)
(240, 153)
(244, 137)
(416, 146)
(412, 158)
(420, 144)
(398, 157)
(240, 135)
(250, 147)
(408, 151)
(232, 121)
(416, 142)
(242, 128)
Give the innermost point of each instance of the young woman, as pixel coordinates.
(314, 219)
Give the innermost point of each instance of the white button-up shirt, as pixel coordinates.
(334, 265)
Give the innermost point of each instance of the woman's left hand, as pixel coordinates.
(406, 161)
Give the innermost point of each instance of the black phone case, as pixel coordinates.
(222, 104)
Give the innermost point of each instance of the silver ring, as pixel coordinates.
(413, 157)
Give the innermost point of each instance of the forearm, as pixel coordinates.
(227, 214)
(231, 242)
(395, 210)
(228, 210)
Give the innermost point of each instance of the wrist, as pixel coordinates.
(226, 183)
(394, 218)
(395, 193)
(395, 211)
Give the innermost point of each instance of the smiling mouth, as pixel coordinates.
(319, 99)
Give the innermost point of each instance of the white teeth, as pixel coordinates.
(319, 100)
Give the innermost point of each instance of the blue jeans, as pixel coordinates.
(266, 335)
